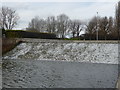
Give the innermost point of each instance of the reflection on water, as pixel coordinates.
(26, 74)
(56, 74)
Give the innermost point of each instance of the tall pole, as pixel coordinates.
(97, 28)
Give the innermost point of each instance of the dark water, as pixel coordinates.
(58, 74)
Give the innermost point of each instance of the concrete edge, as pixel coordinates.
(67, 41)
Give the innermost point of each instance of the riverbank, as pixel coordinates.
(8, 44)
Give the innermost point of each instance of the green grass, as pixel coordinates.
(71, 39)
(15, 30)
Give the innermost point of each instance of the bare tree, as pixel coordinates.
(37, 24)
(51, 24)
(91, 27)
(104, 27)
(33, 24)
(62, 25)
(118, 19)
(8, 18)
(110, 25)
(75, 27)
(72, 28)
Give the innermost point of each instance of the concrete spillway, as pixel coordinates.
(55, 64)
(69, 51)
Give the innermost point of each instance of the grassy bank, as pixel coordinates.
(8, 44)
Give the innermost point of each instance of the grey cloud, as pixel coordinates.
(78, 10)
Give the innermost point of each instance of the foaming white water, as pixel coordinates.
(80, 52)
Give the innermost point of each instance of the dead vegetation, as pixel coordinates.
(8, 44)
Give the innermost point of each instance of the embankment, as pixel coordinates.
(8, 44)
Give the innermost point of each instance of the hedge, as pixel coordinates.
(26, 34)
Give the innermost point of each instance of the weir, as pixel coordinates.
(61, 64)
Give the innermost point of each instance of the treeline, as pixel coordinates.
(102, 28)
(61, 25)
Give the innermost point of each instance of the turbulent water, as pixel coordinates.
(61, 65)
(82, 52)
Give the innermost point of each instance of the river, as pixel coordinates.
(61, 65)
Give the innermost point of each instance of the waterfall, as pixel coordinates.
(72, 51)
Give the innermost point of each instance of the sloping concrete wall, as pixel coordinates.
(94, 52)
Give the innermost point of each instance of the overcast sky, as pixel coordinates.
(75, 10)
